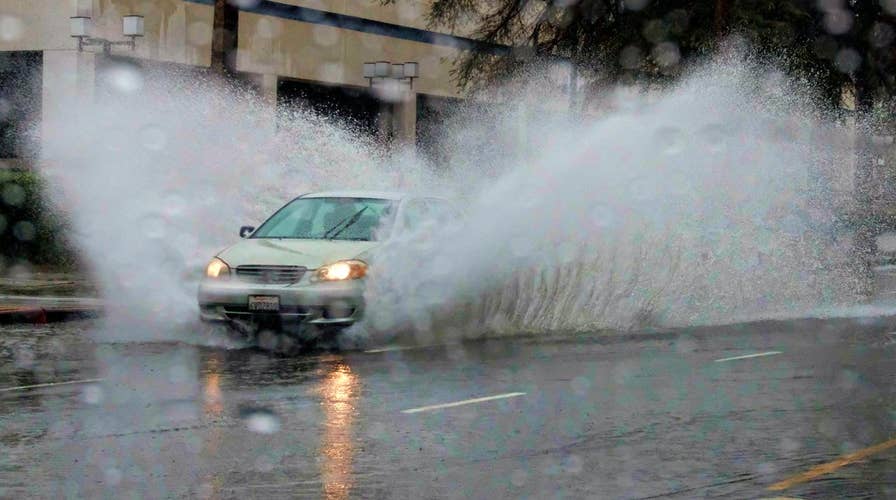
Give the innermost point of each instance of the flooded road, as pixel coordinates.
(711, 412)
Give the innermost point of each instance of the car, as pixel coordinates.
(303, 270)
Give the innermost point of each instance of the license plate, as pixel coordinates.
(264, 303)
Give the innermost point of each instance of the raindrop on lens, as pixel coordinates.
(174, 205)
(112, 476)
(153, 138)
(847, 60)
(153, 226)
(24, 231)
(260, 420)
(11, 28)
(124, 78)
(714, 137)
(92, 394)
(573, 464)
(666, 54)
(602, 217)
(580, 385)
(13, 194)
(670, 140)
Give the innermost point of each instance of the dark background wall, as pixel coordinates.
(20, 102)
(354, 108)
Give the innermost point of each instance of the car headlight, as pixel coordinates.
(217, 269)
(342, 270)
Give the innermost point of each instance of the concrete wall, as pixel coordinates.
(180, 31)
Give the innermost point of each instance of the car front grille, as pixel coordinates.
(270, 275)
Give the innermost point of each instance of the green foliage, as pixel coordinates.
(29, 229)
(647, 41)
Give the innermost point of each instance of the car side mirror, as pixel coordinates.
(246, 231)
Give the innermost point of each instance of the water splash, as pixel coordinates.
(712, 201)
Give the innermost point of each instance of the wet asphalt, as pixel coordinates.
(576, 416)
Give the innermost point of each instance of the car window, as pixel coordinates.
(328, 218)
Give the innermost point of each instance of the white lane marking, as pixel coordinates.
(748, 356)
(52, 384)
(464, 402)
(392, 348)
(405, 348)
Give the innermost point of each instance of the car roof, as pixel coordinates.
(382, 195)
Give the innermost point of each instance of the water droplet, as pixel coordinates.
(325, 35)
(666, 54)
(630, 57)
(602, 217)
(580, 385)
(837, 21)
(522, 246)
(92, 394)
(572, 464)
(670, 140)
(714, 137)
(519, 477)
(889, 6)
(847, 60)
(767, 469)
(260, 420)
(200, 33)
(178, 374)
(112, 476)
(13, 194)
(153, 226)
(24, 230)
(24, 358)
(268, 28)
(264, 463)
(11, 28)
(123, 78)
(153, 138)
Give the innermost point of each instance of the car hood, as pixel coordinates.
(286, 252)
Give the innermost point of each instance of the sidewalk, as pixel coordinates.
(47, 297)
(32, 309)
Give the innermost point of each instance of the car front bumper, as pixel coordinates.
(337, 303)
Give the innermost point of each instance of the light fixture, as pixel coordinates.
(369, 70)
(410, 70)
(380, 71)
(131, 26)
(80, 26)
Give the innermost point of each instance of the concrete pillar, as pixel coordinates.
(385, 128)
(405, 119)
(267, 95)
(69, 82)
(397, 119)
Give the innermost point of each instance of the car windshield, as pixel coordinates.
(336, 218)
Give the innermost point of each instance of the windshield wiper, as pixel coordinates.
(348, 222)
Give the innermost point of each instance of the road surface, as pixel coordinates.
(791, 409)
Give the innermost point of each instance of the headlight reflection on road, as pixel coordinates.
(212, 408)
(339, 397)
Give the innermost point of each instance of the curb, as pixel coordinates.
(43, 315)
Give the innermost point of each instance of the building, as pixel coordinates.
(312, 50)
